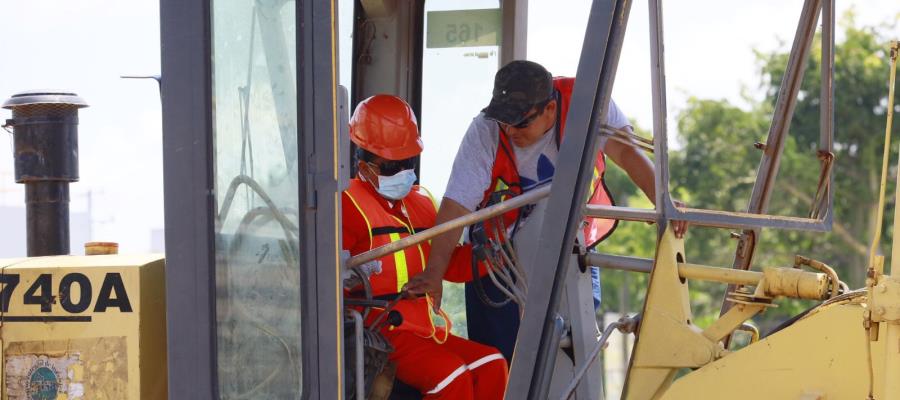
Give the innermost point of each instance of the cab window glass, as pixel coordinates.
(460, 57)
(257, 281)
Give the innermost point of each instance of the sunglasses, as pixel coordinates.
(390, 168)
(530, 119)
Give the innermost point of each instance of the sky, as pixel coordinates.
(84, 47)
(709, 47)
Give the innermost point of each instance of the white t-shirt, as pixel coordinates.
(536, 163)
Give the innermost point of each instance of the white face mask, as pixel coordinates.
(397, 186)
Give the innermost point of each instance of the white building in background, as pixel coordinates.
(12, 231)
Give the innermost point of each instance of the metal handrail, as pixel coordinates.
(465, 220)
(624, 325)
(360, 367)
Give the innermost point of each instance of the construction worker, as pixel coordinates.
(511, 146)
(383, 205)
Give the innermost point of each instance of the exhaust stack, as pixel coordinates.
(45, 147)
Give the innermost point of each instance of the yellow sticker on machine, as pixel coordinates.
(94, 368)
(42, 377)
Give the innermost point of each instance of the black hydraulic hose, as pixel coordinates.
(479, 286)
(478, 238)
(789, 322)
(843, 297)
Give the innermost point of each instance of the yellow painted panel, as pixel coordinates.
(666, 340)
(86, 327)
(821, 356)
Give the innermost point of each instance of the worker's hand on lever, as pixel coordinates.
(426, 284)
(430, 281)
(679, 227)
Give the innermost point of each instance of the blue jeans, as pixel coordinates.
(498, 327)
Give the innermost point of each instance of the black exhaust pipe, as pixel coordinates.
(45, 147)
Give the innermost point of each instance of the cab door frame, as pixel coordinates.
(190, 206)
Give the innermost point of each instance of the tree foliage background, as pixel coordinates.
(714, 167)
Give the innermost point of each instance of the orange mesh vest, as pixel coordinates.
(396, 269)
(505, 176)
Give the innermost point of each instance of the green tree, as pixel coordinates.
(860, 75)
(715, 167)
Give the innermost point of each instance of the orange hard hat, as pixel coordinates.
(386, 126)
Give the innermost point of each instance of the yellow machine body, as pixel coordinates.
(826, 354)
(83, 327)
(822, 356)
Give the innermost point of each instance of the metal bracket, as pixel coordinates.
(884, 300)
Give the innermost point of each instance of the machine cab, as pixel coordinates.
(256, 98)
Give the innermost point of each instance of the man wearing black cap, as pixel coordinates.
(510, 148)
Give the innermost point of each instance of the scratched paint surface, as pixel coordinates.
(95, 368)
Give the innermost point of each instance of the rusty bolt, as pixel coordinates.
(760, 146)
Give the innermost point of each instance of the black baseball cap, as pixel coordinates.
(518, 87)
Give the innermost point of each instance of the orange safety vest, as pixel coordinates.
(505, 176)
(396, 269)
